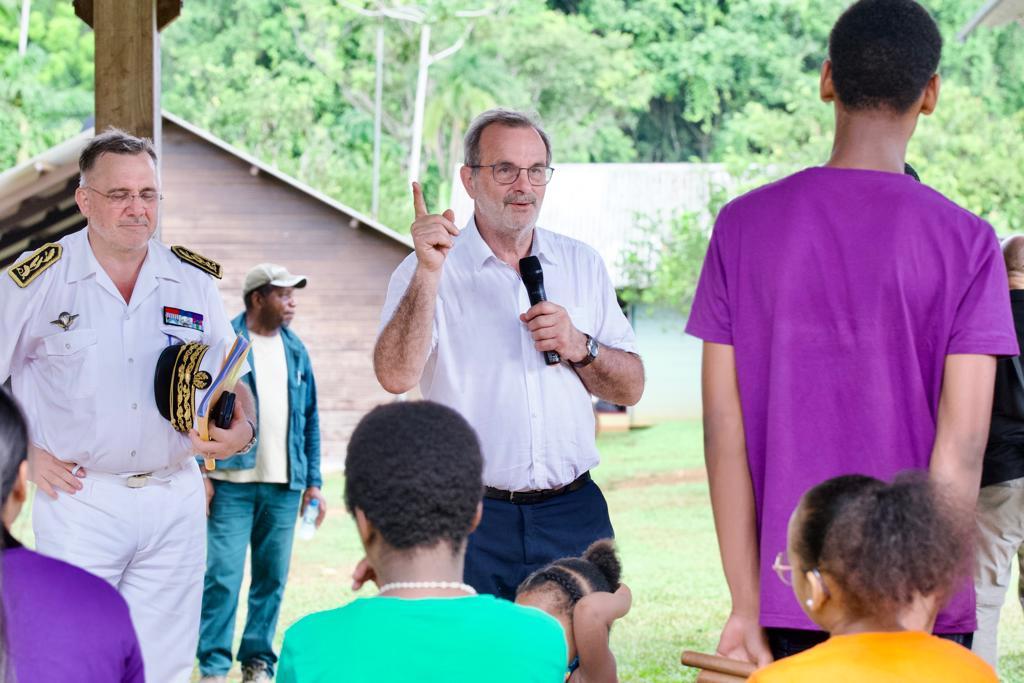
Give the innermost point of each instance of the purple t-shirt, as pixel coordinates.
(64, 624)
(842, 291)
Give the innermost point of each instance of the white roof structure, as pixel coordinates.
(599, 203)
(994, 13)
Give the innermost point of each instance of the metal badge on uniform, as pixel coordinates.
(182, 318)
(65, 320)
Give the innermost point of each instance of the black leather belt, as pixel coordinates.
(530, 497)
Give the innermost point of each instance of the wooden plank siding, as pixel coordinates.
(215, 204)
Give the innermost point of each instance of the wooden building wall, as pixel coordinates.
(215, 204)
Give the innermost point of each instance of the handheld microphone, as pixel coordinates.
(533, 279)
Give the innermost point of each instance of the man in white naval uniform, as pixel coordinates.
(83, 321)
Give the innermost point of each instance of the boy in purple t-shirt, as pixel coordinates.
(850, 316)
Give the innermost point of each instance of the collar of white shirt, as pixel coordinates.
(478, 253)
(83, 261)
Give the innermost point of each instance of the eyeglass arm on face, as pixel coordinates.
(783, 570)
(125, 197)
(785, 573)
(506, 174)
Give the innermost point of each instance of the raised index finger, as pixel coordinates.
(418, 205)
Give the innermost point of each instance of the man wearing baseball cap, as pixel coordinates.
(255, 496)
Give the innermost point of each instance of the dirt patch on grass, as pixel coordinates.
(687, 476)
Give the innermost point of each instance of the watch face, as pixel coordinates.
(592, 349)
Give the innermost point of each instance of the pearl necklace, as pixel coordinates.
(455, 585)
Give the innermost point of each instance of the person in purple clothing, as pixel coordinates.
(60, 622)
(850, 317)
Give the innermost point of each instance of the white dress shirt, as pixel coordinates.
(87, 392)
(535, 422)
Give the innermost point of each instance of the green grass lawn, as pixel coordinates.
(654, 481)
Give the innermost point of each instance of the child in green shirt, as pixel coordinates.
(413, 484)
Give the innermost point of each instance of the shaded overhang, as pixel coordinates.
(37, 199)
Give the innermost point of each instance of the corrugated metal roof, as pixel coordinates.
(599, 203)
(37, 199)
(994, 13)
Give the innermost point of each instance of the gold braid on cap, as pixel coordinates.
(183, 387)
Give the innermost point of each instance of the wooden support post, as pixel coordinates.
(128, 61)
(127, 66)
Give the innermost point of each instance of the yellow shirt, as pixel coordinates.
(903, 657)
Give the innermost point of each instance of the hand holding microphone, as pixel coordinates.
(553, 332)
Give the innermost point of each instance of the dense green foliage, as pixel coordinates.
(662, 263)
(46, 94)
(291, 81)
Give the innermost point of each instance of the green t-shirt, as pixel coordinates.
(447, 640)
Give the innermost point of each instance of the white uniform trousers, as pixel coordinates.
(150, 544)
(1000, 515)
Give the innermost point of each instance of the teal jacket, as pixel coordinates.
(303, 422)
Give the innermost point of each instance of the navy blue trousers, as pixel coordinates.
(514, 540)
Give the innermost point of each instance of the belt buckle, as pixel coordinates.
(137, 481)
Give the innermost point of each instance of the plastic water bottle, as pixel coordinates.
(308, 527)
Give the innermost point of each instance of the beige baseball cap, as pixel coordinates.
(271, 274)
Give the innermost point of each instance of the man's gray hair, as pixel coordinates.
(502, 117)
(112, 141)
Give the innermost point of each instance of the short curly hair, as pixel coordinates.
(883, 544)
(883, 53)
(415, 470)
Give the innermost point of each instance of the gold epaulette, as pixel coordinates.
(31, 267)
(199, 261)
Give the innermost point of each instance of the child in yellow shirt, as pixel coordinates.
(863, 555)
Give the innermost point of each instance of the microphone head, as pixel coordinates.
(530, 271)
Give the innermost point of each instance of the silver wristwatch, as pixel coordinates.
(592, 349)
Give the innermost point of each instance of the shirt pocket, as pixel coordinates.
(174, 334)
(71, 362)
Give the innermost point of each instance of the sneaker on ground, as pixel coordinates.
(255, 671)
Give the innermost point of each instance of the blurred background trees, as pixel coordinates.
(733, 81)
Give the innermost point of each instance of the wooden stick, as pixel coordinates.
(716, 664)
(715, 677)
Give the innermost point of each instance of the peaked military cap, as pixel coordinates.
(184, 374)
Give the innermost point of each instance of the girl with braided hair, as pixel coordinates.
(865, 558)
(586, 596)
